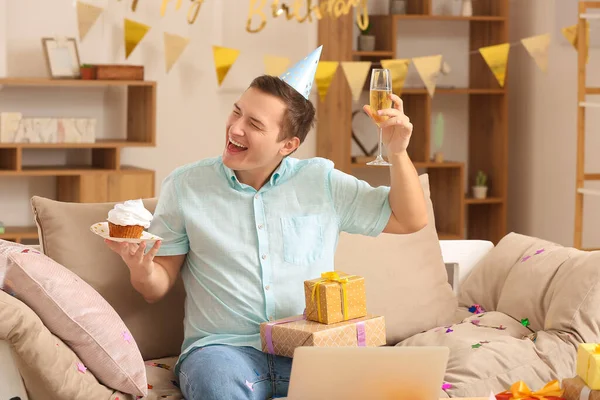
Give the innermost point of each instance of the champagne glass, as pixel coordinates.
(380, 92)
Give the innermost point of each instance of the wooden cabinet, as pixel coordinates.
(458, 214)
(102, 178)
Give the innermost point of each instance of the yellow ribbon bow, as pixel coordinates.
(331, 277)
(520, 391)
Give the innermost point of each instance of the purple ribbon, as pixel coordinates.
(361, 334)
(269, 330)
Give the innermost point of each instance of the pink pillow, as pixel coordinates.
(77, 314)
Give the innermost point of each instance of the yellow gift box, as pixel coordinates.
(588, 364)
(335, 297)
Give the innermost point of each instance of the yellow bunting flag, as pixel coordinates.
(571, 33)
(174, 46)
(324, 76)
(224, 58)
(134, 33)
(537, 46)
(275, 66)
(429, 70)
(496, 58)
(356, 74)
(87, 15)
(399, 71)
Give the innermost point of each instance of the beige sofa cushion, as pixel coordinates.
(77, 314)
(405, 276)
(65, 237)
(47, 365)
(491, 351)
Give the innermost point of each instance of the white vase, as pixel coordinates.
(467, 8)
(397, 7)
(480, 192)
(366, 43)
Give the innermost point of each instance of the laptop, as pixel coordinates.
(399, 373)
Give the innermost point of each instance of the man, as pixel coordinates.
(248, 228)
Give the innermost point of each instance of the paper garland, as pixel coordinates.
(496, 58)
(324, 76)
(399, 71)
(224, 58)
(134, 33)
(87, 15)
(429, 70)
(537, 47)
(356, 74)
(275, 66)
(174, 46)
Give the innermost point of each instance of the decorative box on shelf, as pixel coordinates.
(119, 72)
(14, 128)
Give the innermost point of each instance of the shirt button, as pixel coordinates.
(260, 226)
(270, 318)
(256, 197)
(267, 287)
(264, 256)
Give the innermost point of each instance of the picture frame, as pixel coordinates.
(62, 58)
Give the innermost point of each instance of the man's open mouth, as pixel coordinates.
(235, 147)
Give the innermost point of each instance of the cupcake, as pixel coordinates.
(128, 220)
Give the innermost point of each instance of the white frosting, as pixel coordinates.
(132, 212)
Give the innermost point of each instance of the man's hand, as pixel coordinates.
(397, 129)
(141, 266)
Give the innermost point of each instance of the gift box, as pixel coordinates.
(335, 297)
(281, 337)
(588, 364)
(576, 389)
(520, 391)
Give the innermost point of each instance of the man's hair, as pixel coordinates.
(299, 116)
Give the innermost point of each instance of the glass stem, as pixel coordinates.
(380, 141)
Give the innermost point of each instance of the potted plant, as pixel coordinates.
(87, 71)
(366, 42)
(480, 188)
(438, 139)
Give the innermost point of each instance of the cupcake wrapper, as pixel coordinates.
(129, 231)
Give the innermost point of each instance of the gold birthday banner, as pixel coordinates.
(429, 68)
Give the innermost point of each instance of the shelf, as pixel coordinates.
(425, 17)
(488, 200)
(19, 233)
(592, 90)
(376, 53)
(449, 236)
(455, 91)
(99, 144)
(71, 82)
(70, 170)
(361, 162)
(591, 177)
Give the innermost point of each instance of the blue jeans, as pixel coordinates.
(229, 372)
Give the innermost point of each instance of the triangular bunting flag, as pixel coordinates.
(275, 66)
(87, 15)
(224, 58)
(174, 46)
(324, 76)
(399, 71)
(537, 46)
(496, 58)
(356, 74)
(134, 33)
(429, 70)
(571, 33)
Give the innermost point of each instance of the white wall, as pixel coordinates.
(2, 38)
(191, 107)
(543, 111)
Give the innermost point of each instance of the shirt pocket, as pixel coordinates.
(302, 239)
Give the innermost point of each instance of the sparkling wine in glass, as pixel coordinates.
(380, 92)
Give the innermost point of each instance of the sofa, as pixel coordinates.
(510, 312)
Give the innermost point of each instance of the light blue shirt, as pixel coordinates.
(249, 252)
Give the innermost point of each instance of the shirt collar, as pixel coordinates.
(273, 180)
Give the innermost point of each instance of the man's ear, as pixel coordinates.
(290, 146)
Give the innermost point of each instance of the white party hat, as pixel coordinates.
(302, 75)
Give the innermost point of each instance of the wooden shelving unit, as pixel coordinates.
(457, 214)
(104, 178)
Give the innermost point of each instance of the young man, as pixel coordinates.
(246, 229)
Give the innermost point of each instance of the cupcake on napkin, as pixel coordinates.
(129, 219)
